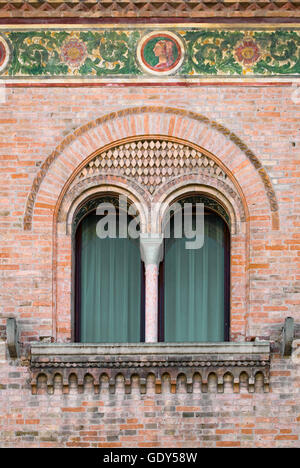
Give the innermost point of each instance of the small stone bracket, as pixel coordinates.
(296, 351)
(12, 337)
(2, 351)
(287, 336)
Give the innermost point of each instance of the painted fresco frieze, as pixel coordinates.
(135, 53)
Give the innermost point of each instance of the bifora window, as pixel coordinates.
(193, 286)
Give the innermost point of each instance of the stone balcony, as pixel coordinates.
(156, 367)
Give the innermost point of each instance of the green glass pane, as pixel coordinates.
(110, 287)
(194, 287)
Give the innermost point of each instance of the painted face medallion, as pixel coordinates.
(160, 53)
(4, 54)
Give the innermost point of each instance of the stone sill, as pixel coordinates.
(80, 352)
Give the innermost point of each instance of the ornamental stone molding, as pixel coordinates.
(85, 195)
(135, 9)
(150, 367)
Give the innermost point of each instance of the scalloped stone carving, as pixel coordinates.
(135, 8)
(155, 367)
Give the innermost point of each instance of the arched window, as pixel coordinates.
(109, 304)
(194, 283)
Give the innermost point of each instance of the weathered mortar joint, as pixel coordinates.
(150, 368)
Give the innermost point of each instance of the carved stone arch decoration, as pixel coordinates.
(221, 194)
(99, 186)
(91, 204)
(150, 165)
(79, 153)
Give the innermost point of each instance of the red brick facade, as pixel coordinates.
(48, 133)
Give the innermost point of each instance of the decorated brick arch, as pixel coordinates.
(224, 165)
(185, 125)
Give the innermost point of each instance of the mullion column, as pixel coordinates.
(151, 253)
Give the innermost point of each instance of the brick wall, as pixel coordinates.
(34, 122)
(152, 420)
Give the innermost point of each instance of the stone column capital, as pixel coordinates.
(151, 246)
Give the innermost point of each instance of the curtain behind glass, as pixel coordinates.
(110, 287)
(194, 287)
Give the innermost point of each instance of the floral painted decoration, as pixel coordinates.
(128, 54)
(73, 53)
(247, 52)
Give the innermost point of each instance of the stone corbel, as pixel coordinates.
(287, 336)
(296, 351)
(2, 351)
(12, 337)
